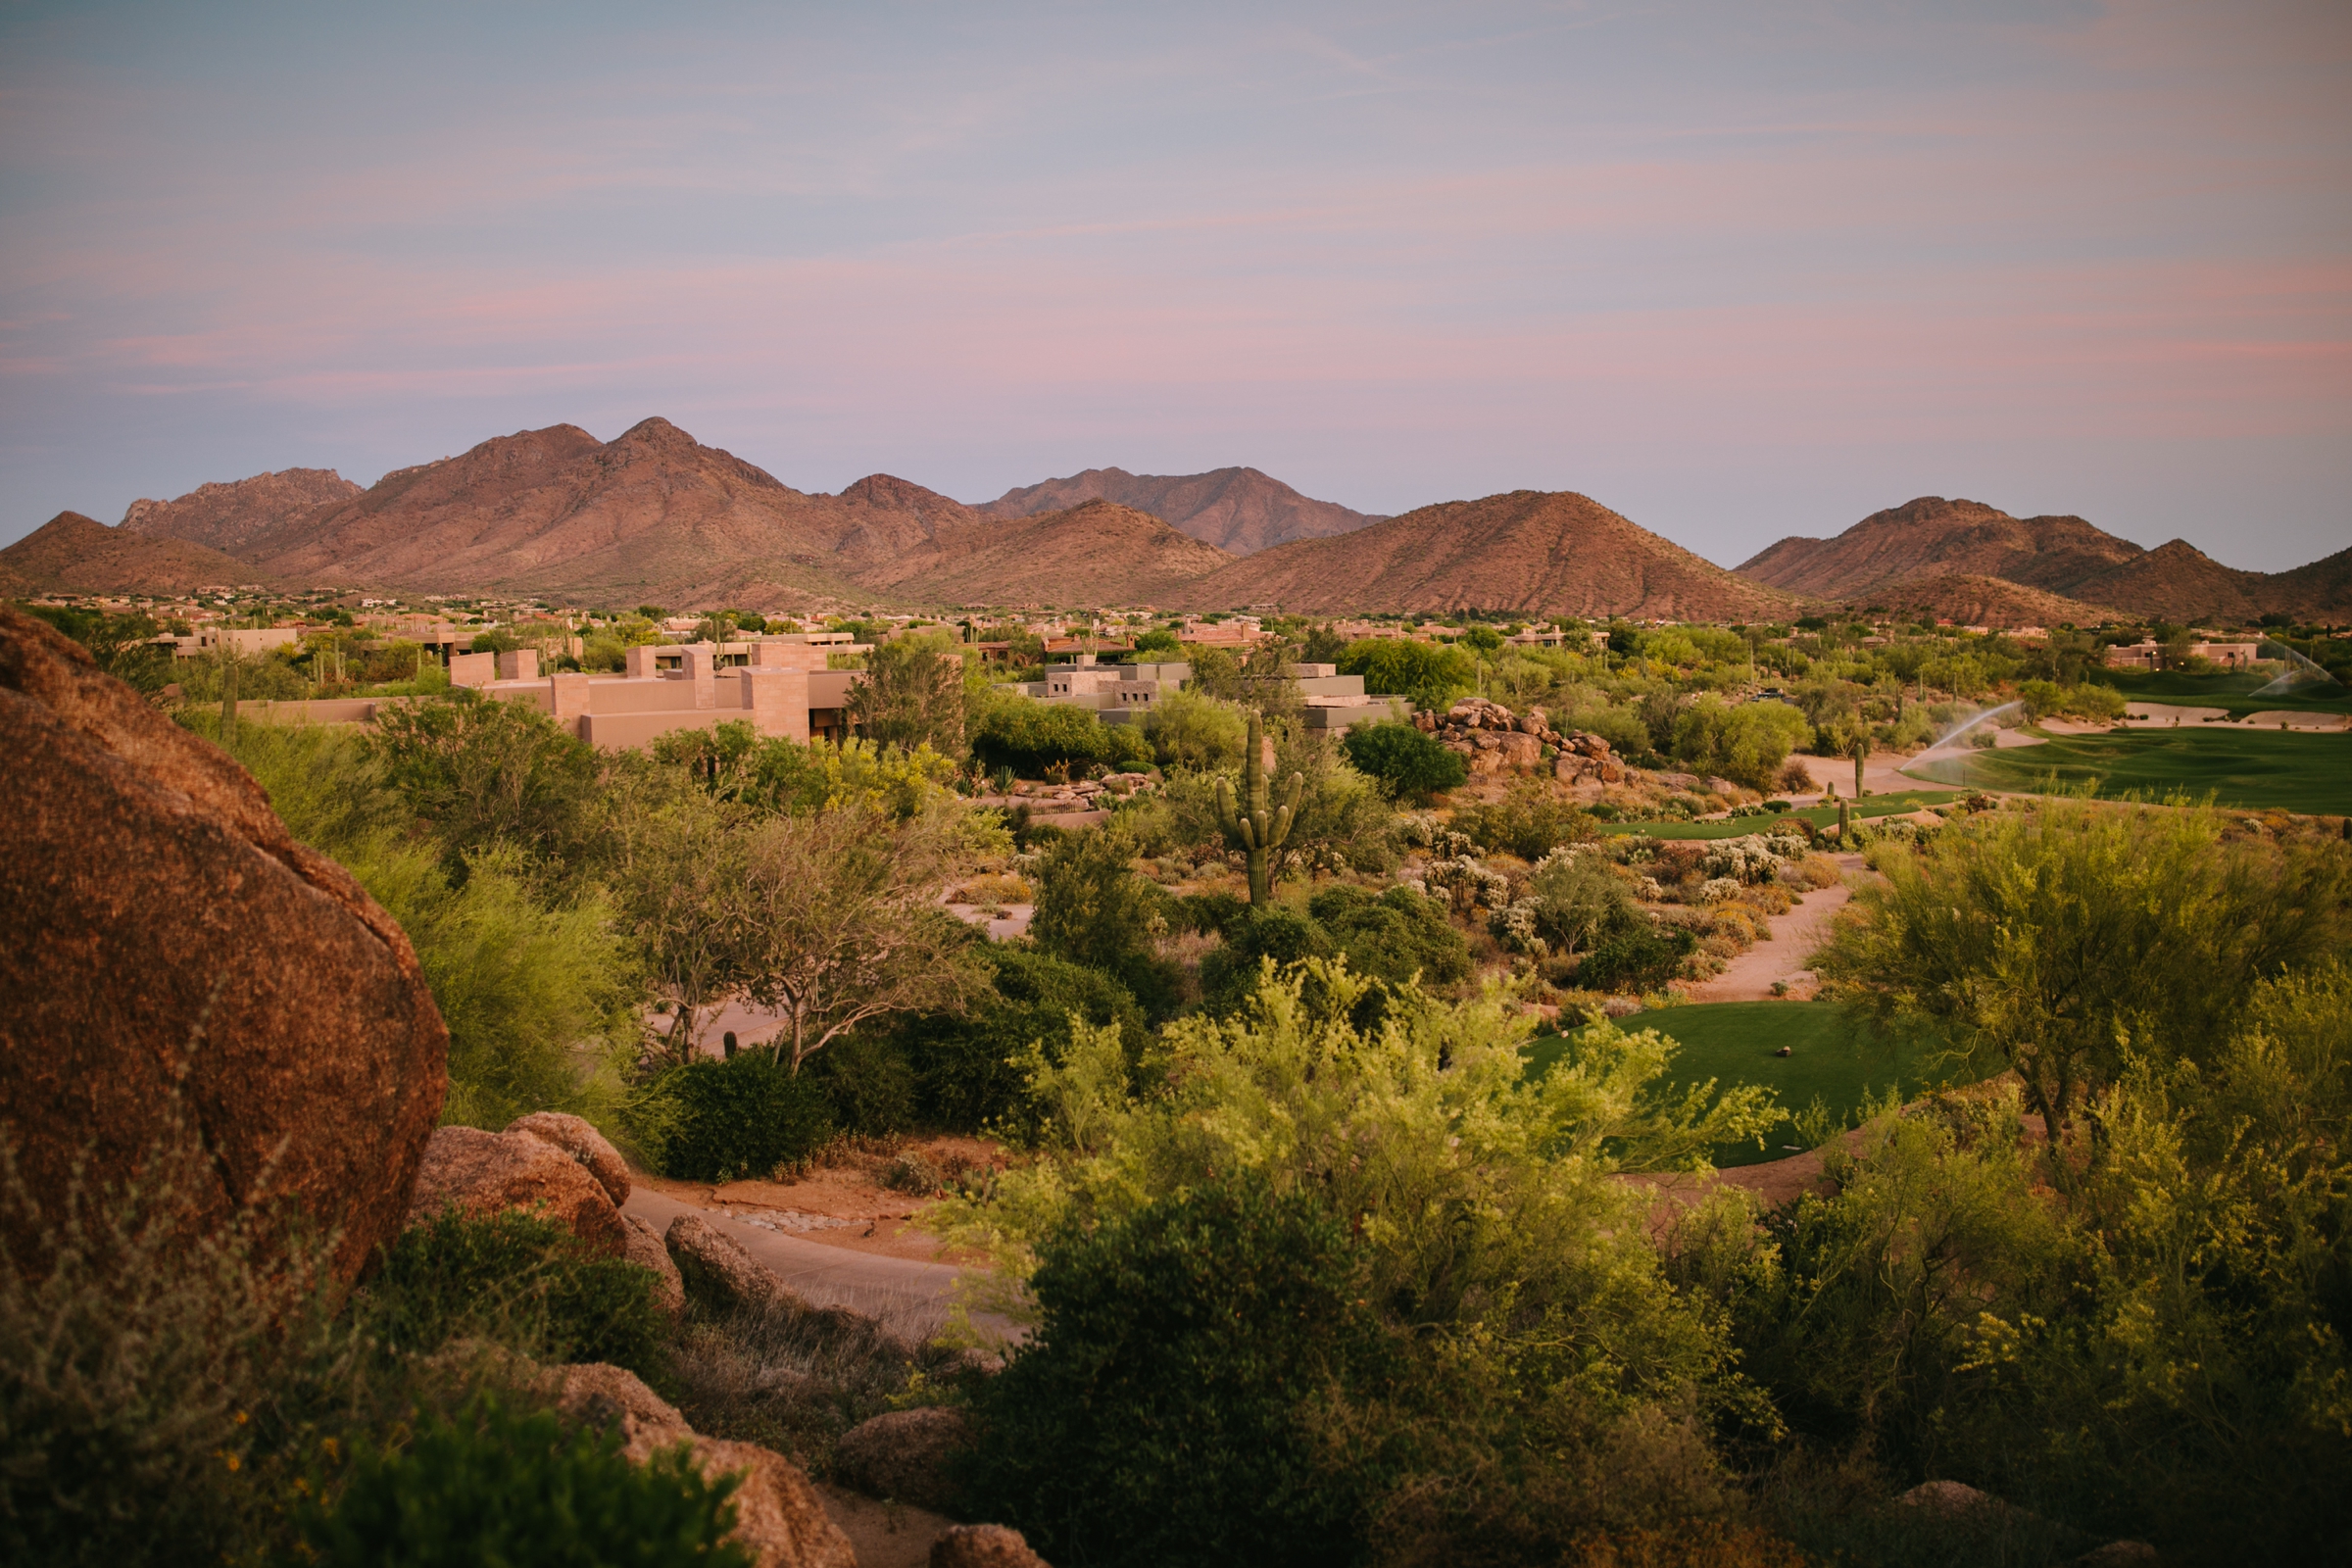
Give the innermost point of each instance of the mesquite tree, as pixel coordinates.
(1261, 826)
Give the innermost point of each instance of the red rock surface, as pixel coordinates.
(174, 961)
(1531, 551)
(477, 1172)
(1239, 511)
(577, 1138)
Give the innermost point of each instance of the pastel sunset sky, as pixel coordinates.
(1737, 269)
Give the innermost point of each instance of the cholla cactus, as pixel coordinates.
(1466, 884)
(1716, 890)
(1262, 827)
(1514, 925)
(1741, 860)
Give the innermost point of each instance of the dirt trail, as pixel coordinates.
(1788, 953)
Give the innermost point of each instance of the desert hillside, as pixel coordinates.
(225, 516)
(1531, 551)
(1097, 553)
(77, 554)
(2064, 555)
(1238, 510)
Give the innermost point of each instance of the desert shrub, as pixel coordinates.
(1189, 731)
(1429, 673)
(1030, 737)
(1407, 763)
(1156, 1414)
(156, 1390)
(1205, 912)
(971, 1068)
(1795, 778)
(869, 1082)
(1457, 1184)
(1094, 909)
(1394, 936)
(913, 696)
(1284, 936)
(515, 1279)
(1573, 898)
(482, 772)
(1530, 821)
(495, 1485)
(1747, 743)
(720, 1120)
(1636, 956)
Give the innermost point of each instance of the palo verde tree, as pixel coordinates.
(2065, 940)
(1261, 827)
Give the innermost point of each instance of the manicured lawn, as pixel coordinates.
(2258, 769)
(1869, 805)
(1733, 1042)
(2235, 693)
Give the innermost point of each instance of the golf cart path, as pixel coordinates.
(909, 1297)
(1788, 953)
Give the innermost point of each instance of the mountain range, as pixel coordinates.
(1238, 510)
(2071, 569)
(655, 516)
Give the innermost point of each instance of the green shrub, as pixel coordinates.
(1190, 730)
(1030, 737)
(1394, 936)
(1637, 956)
(1094, 909)
(1529, 821)
(1408, 765)
(520, 1280)
(730, 1120)
(1388, 938)
(494, 1485)
(870, 1084)
(1158, 1414)
(971, 1068)
(1433, 677)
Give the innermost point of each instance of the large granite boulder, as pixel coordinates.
(719, 1271)
(645, 1249)
(779, 1518)
(479, 1173)
(181, 973)
(579, 1137)
(905, 1455)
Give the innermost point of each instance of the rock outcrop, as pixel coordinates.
(905, 1455)
(475, 1172)
(1497, 741)
(576, 1137)
(719, 1271)
(778, 1516)
(984, 1546)
(645, 1249)
(177, 969)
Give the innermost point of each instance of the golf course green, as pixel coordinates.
(1831, 1058)
(1818, 815)
(2255, 769)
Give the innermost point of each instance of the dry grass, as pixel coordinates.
(795, 1379)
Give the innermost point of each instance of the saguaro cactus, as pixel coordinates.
(1261, 826)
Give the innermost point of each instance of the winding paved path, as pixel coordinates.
(909, 1297)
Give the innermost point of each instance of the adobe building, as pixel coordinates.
(779, 687)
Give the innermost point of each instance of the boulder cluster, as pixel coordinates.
(1086, 793)
(1496, 740)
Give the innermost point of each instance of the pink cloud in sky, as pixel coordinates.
(1745, 263)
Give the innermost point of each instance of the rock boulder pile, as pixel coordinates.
(1496, 740)
(779, 1518)
(185, 981)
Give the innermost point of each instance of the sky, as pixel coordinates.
(1735, 269)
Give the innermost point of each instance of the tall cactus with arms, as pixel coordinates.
(1261, 826)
